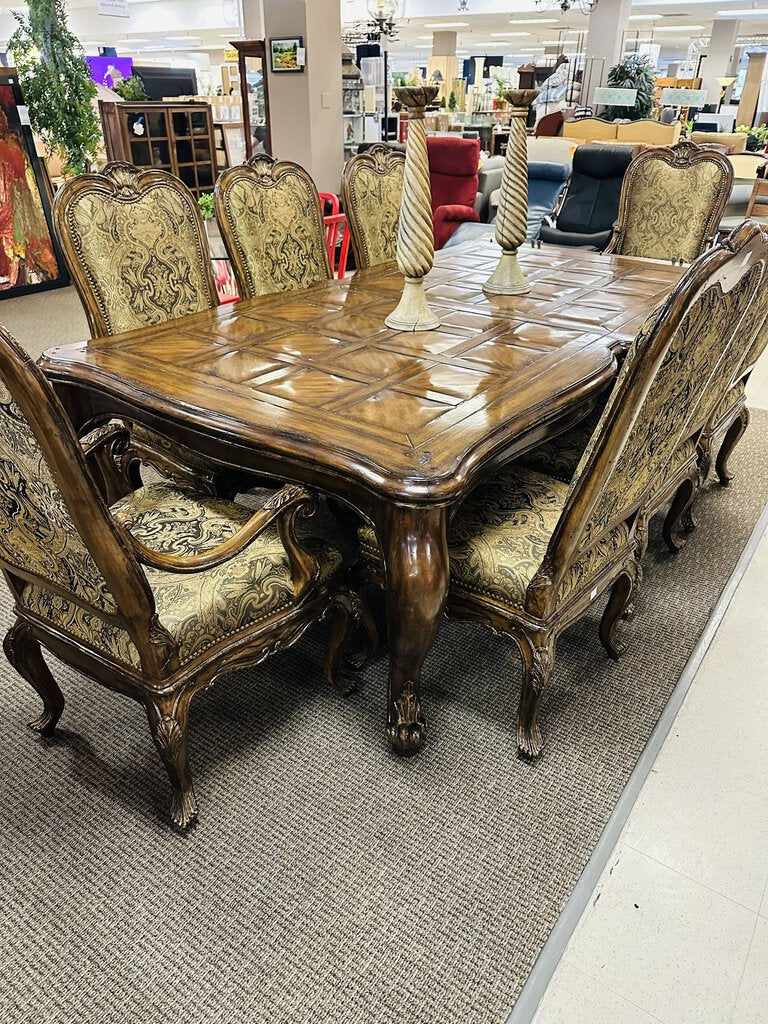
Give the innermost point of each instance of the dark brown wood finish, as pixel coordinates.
(314, 388)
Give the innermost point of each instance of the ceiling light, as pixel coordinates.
(533, 21)
(132, 42)
(495, 35)
(423, 46)
(750, 12)
(448, 24)
(678, 28)
(643, 17)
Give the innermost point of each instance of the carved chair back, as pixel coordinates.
(371, 190)
(672, 200)
(656, 403)
(56, 532)
(271, 221)
(136, 248)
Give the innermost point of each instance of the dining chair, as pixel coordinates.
(529, 554)
(371, 192)
(672, 200)
(137, 252)
(271, 221)
(157, 595)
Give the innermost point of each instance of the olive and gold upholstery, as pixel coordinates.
(137, 252)
(271, 221)
(530, 553)
(156, 596)
(371, 191)
(672, 200)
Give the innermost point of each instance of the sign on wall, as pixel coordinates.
(683, 97)
(114, 8)
(616, 97)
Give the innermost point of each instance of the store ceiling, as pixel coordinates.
(161, 31)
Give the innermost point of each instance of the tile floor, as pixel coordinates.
(676, 930)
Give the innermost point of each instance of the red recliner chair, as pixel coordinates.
(453, 167)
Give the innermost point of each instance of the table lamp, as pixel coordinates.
(724, 83)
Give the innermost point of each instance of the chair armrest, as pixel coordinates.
(282, 507)
(455, 212)
(554, 236)
(112, 460)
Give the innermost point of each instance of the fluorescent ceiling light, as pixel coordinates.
(678, 28)
(423, 46)
(131, 42)
(644, 17)
(750, 12)
(495, 35)
(448, 24)
(533, 21)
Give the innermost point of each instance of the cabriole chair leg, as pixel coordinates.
(24, 653)
(168, 723)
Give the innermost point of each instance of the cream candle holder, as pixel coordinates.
(415, 234)
(512, 218)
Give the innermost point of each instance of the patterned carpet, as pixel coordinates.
(328, 882)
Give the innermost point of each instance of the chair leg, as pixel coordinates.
(680, 511)
(618, 603)
(350, 614)
(168, 724)
(23, 652)
(732, 437)
(538, 653)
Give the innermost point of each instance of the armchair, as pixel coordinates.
(453, 175)
(591, 202)
(156, 595)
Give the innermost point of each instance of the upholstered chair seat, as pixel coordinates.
(672, 199)
(157, 594)
(271, 220)
(198, 609)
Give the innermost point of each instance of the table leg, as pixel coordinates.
(415, 549)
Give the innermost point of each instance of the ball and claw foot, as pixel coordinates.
(408, 731)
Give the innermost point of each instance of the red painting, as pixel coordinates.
(27, 254)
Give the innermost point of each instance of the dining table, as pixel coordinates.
(312, 387)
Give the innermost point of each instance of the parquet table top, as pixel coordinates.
(317, 376)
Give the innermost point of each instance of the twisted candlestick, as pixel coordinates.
(415, 234)
(512, 218)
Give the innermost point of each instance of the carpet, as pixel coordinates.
(328, 882)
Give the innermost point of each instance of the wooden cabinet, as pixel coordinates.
(175, 137)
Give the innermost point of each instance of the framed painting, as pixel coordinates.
(30, 259)
(287, 54)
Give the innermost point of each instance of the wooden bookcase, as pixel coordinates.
(175, 137)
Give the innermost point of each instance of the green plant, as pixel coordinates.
(57, 84)
(131, 88)
(688, 125)
(205, 202)
(635, 71)
(759, 133)
(442, 103)
(452, 101)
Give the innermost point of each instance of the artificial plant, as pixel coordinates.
(130, 88)
(56, 83)
(452, 101)
(635, 71)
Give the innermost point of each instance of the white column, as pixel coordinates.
(720, 55)
(253, 19)
(608, 24)
(305, 108)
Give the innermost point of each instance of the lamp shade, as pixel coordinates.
(726, 81)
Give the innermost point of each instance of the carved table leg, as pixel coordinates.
(23, 652)
(168, 722)
(732, 437)
(415, 549)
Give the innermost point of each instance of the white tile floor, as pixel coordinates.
(676, 930)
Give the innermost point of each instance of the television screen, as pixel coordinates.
(160, 82)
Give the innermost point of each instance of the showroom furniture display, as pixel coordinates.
(453, 178)
(254, 92)
(595, 129)
(337, 233)
(735, 142)
(488, 182)
(371, 193)
(758, 201)
(173, 137)
(591, 203)
(745, 168)
(271, 221)
(672, 201)
(138, 255)
(529, 554)
(549, 125)
(310, 387)
(512, 219)
(157, 596)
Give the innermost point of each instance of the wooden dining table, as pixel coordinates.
(312, 387)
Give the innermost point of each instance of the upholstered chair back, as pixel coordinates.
(272, 224)
(371, 191)
(58, 542)
(136, 247)
(672, 200)
(656, 403)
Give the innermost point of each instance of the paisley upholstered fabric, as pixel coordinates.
(197, 609)
(671, 408)
(372, 201)
(560, 456)
(37, 534)
(500, 535)
(728, 401)
(142, 253)
(277, 227)
(669, 209)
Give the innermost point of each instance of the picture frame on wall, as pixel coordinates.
(287, 54)
(30, 259)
